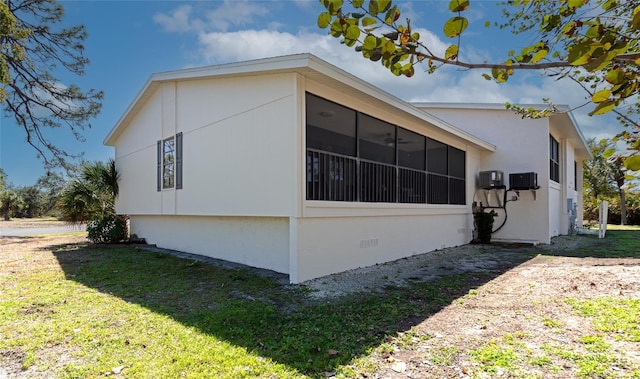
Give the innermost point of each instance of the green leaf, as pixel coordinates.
(324, 19)
(458, 5)
(357, 3)
(451, 53)
(388, 48)
(575, 3)
(370, 43)
(353, 32)
(455, 26)
(625, 89)
(392, 15)
(608, 153)
(600, 62)
(635, 23)
(373, 8)
(333, 6)
(603, 107)
(408, 70)
(336, 28)
(615, 76)
(486, 76)
(383, 5)
(601, 96)
(499, 75)
(368, 21)
(539, 55)
(550, 22)
(375, 56)
(609, 4)
(350, 42)
(632, 163)
(579, 54)
(595, 31)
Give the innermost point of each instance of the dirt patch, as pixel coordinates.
(524, 314)
(33, 253)
(519, 304)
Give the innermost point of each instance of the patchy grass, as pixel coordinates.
(619, 318)
(69, 311)
(85, 312)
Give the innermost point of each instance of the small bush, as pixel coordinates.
(107, 229)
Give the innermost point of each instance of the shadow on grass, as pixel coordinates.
(281, 322)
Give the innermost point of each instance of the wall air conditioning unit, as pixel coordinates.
(491, 179)
(523, 181)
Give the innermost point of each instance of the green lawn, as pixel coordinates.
(154, 315)
(77, 312)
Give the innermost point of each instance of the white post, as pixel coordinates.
(603, 216)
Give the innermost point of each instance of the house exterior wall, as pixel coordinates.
(334, 236)
(256, 241)
(363, 241)
(522, 146)
(135, 156)
(237, 163)
(243, 195)
(233, 145)
(238, 148)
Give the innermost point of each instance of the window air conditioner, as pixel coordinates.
(491, 179)
(523, 181)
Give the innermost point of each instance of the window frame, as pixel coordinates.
(375, 179)
(168, 162)
(554, 159)
(169, 171)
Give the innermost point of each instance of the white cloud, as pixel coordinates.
(235, 13)
(178, 20)
(229, 14)
(448, 84)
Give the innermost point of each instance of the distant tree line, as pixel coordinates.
(37, 200)
(87, 191)
(87, 196)
(606, 178)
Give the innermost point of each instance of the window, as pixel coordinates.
(169, 164)
(330, 127)
(456, 171)
(554, 159)
(376, 140)
(411, 161)
(446, 169)
(352, 156)
(168, 161)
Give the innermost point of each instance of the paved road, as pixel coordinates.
(24, 232)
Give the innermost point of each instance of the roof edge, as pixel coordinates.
(292, 63)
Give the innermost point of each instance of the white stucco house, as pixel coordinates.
(293, 165)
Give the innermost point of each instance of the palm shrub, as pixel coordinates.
(91, 198)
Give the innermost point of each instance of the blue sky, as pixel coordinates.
(130, 40)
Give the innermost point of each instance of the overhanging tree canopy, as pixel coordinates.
(595, 43)
(33, 48)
